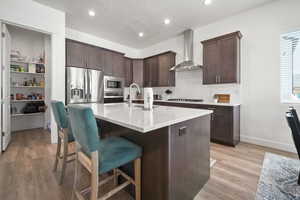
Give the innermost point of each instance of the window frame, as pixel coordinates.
(287, 75)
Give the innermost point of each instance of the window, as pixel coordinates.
(290, 67)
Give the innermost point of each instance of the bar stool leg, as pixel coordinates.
(137, 178)
(77, 175)
(57, 156)
(115, 177)
(94, 176)
(64, 159)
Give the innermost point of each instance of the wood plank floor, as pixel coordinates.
(26, 171)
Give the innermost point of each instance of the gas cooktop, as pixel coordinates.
(186, 100)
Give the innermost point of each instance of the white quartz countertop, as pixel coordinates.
(138, 119)
(200, 103)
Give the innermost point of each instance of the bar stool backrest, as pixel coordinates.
(84, 126)
(295, 130)
(60, 114)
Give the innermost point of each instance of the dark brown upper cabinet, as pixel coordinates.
(165, 62)
(128, 71)
(157, 70)
(138, 71)
(113, 64)
(221, 59)
(88, 56)
(94, 58)
(147, 73)
(83, 55)
(108, 62)
(74, 54)
(151, 72)
(118, 65)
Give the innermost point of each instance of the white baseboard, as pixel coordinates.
(268, 143)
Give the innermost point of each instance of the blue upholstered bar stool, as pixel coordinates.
(65, 137)
(99, 156)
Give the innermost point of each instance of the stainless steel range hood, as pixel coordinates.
(188, 63)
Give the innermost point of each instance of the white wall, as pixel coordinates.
(28, 43)
(42, 18)
(93, 40)
(262, 115)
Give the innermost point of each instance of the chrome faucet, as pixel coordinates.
(130, 96)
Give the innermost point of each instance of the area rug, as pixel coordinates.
(278, 179)
(212, 162)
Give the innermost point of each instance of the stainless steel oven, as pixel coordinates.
(113, 86)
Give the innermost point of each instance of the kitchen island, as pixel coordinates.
(175, 142)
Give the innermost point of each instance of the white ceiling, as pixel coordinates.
(121, 20)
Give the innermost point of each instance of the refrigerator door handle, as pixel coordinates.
(85, 82)
(89, 85)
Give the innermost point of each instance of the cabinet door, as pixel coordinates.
(189, 149)
(228, 54)
(151, 72)
(108, 62)
(95, 58)
(222, 126)
(118, 65)
(147, 73)
(178, 163)
(154, 77)
(166, 77)
(211, 61)
(138, 71)
(75, 54)
(128, 71)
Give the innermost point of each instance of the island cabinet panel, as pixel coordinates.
(189, 169)
(175, 159)
(138, 71)
(221, 59)
(128, 68)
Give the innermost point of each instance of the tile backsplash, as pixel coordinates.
(189, 85)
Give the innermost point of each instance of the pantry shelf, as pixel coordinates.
(27, 100)
(27, 114)
(28, 87)
(35, 63)
(29, 73)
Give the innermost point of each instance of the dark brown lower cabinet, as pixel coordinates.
(113, 100)
(225, 121)
(189, 169)
(175, 160)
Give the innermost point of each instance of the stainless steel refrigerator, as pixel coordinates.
(84, 86)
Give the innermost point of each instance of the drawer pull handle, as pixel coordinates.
(182, 131)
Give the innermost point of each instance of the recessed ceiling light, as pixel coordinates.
(167, 21)
(141, 34)
(92, 13)
(207, 2)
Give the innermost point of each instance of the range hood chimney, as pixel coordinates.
(188, 63)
